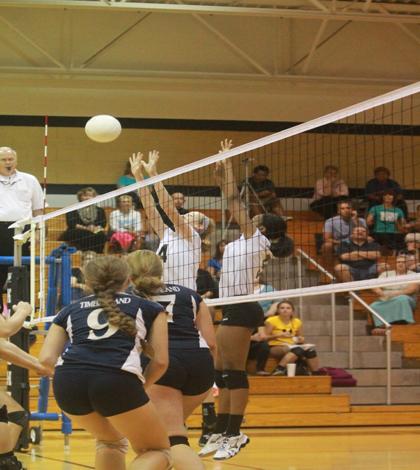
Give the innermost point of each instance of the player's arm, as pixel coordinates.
(53, 346)
(183, 229)
(11, 353)
(153, 216)
(227, 182)
(158, 340)
(205, 326)
(10, 326)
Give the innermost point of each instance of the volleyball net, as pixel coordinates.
(302, 175)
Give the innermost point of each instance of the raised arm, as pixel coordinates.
(183, 229)
(153, 216)
(13, 324)
(227, 182)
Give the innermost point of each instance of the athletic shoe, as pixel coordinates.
(11, 463)
(212, 444)
(262, 373)
(230, 446)
(206, 432)
(280, 371)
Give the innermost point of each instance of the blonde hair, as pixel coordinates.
(146, 271)
(105, 276)
(195, 218)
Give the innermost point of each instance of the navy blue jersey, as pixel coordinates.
(182, 305)
(94, 342)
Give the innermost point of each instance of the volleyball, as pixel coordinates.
(103, 128)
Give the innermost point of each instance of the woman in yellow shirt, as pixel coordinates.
(285, 338)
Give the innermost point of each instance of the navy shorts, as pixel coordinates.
(248, 315)
(109, 392)
(190, 370)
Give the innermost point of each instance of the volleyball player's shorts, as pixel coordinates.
(248, 315)
(190, 370)
(109, 392)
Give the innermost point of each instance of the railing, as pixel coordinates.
(352, 296)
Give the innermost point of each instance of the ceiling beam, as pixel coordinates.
(268, 11)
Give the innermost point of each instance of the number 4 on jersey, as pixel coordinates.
(163, 252)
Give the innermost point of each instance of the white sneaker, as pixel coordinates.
(213, 443)
(231, 446)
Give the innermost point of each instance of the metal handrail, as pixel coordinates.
(353, 296)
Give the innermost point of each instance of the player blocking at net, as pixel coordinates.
(242, 262)
(179, 249)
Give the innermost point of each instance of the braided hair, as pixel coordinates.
(105, 276)
(146, 272)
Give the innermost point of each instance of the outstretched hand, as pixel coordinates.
(136, 162)
(225, 145)
(151, 166)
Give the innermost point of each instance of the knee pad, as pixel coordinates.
(3, 414)
(20, 418)
(299, 352)
(219, 380)
(176, 440)
(310, 353)
(120, 445)
(235, 379)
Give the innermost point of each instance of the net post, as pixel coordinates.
(299, 269)
(388, 334)
(351, 332)
(32, 270)
(333, 324)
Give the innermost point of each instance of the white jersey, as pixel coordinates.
(242, 260)
(181, 258)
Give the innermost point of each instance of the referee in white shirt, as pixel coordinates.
(20, 197)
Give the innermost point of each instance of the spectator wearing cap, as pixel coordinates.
(358, 257)
(382, 182)
(328, 191)
(387, 222)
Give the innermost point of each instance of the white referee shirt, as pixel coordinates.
(242, 259)
(181, 258)
(20, 194)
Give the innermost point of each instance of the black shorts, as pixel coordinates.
(249, 315)
(190, 371)
(108, 392)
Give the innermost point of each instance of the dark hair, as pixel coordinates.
(106, 276)
(127, 169)
(331, 167)
(275, 226)
(123, 195)
(263, 168)
(390, 192)
(380, 169)
(217, 253)
(285, 302)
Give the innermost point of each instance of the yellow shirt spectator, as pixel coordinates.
(279, 327)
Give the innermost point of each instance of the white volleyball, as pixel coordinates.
(103, 128)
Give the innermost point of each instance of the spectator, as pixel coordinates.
(414, 224)
(396, 304)
(282, 246)
(125, 180)
(262, 193)
(214, 265)
(77, 280)
(179, 201)
(86, 226)
(412, 250)
(358, 257)
(382, 182)
(388, 222)
(285, 338)
(21, 197)
(339, 228)
(259, 350)
(125, 226)
(328, 191)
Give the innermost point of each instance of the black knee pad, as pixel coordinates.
(235, 379)
(3, 414)
(176, 440)
(20, 418)
(310, 353)
(299, 352)
(219, 379)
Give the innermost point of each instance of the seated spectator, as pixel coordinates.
(86, 226)
(339, 228)
(382, 182)
(387, 222)
(262, 193)
(358, 257)
(263, 287)
(284, 333)
(214, 265)
(396, 304)
(282, 245)
(414, 224)
(125, 180)
(259, 350)
(125, 227)
(328, 191)
(412, 251)
(77, 280)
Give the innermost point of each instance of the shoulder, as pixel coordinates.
(297, 322)
(28, 178)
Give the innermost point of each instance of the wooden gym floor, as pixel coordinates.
(375, 448)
